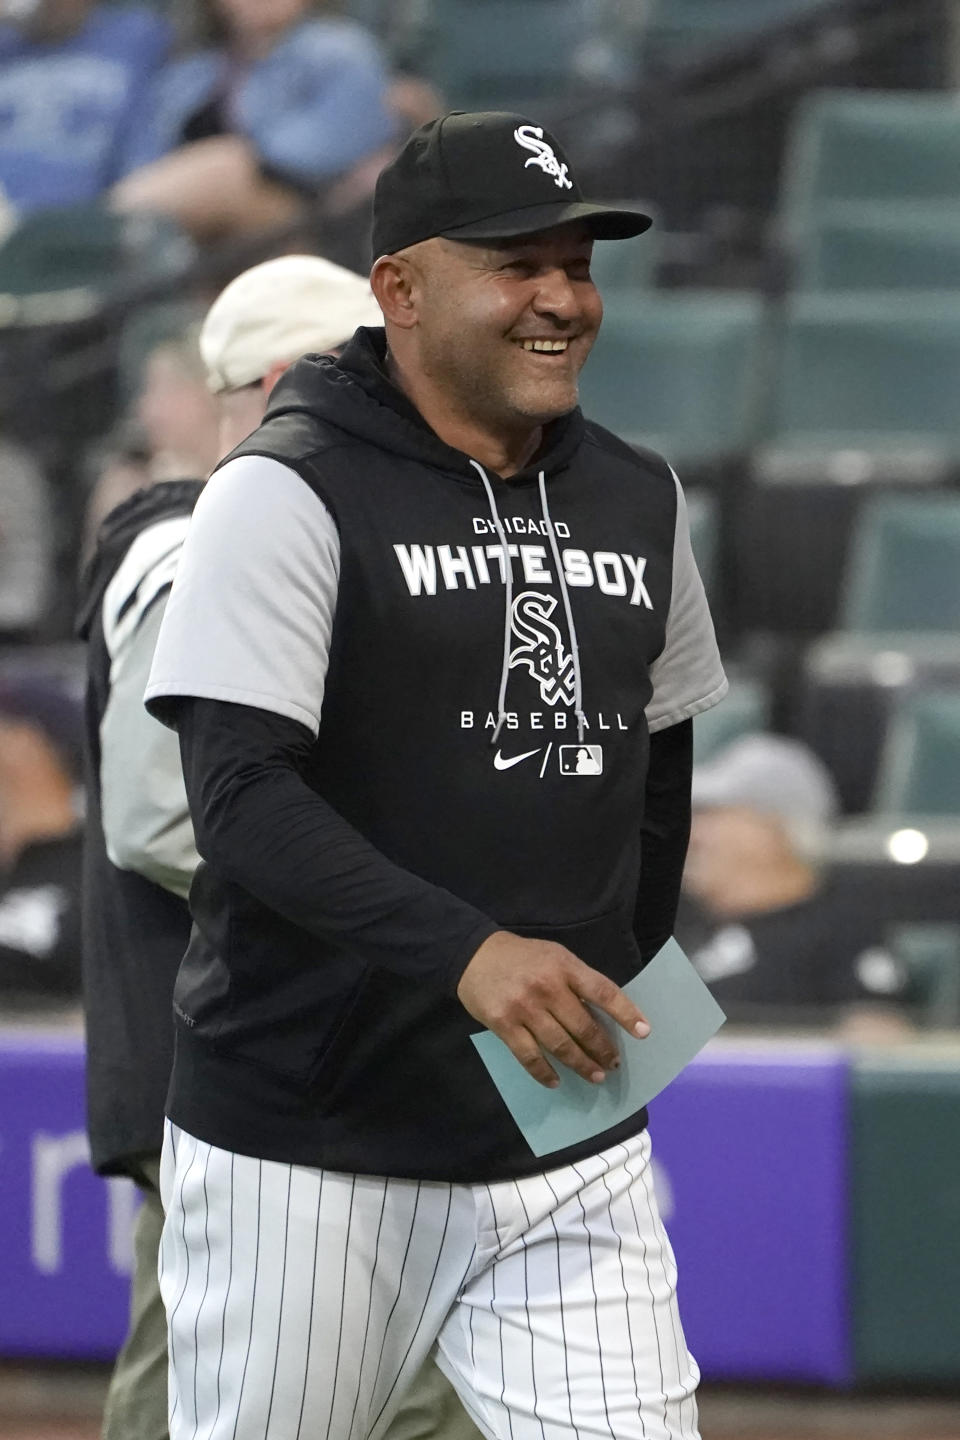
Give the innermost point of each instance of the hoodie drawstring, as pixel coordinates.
(567, 608)
(508, 604)
(508, 601)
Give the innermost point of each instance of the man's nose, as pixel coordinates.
(556, 295)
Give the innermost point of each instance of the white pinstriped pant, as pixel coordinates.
(302, 1302)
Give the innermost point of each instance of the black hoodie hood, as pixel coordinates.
(118, 532)
(355, 394)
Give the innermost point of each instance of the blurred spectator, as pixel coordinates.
(177, 413)
(279, 104)
(40, 840)
(172, 433)
(26, 543)
(73, 75)
(765, 927)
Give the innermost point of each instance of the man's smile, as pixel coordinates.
(545, 347)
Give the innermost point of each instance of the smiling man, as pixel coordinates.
(440, 779)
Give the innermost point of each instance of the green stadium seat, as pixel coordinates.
(681, 31)
(862, 404)
(872, 372)
(870, 860)
(905, 1177)
(849, 687)
(865, 246)
(626, 264)
(791, 530)
(703, 518)
(920, 765)
(60, 250)
(858, 145)
(744, 711)
(904, 567)
(61, 264)
(679, 372)
(502, 54)
(930, 955)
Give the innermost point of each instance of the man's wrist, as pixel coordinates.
(472, 942)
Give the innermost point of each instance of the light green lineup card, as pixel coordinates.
(683, 1015)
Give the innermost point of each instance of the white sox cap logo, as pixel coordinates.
(530, 137)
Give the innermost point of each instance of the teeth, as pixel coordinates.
(545, 347)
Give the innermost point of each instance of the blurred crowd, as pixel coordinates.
(221, 115)
(167, 146)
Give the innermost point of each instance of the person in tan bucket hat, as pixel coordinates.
(141, 853)
(268, 317)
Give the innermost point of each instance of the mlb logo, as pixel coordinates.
(581, 759)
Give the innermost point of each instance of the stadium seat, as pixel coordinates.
(791, 525)
(679, 31)
(930, 955)
(904, 1262)
(904, 568)
(877, 373)
(900, 877)
(920, 766)
(627, 264)
(62, 264)
(679, 372)
(791, 528)
(704, 537)
(848, 689)
(502, 54)
(869, 146)
(744, 711)
(862, 246)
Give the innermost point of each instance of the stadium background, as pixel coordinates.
(789, 336)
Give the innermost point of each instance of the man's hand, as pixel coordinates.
(532, 992)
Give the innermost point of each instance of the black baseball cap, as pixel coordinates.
(488, 175)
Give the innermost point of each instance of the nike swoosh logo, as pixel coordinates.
(500, 764)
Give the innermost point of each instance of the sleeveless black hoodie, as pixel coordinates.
(299, 1048)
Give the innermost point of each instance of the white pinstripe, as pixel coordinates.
(302, 1303)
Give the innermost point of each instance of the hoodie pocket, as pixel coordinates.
(301, 1045)
(336, 1054)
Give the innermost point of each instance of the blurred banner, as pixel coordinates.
(66, 1258)
(750, 1147)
